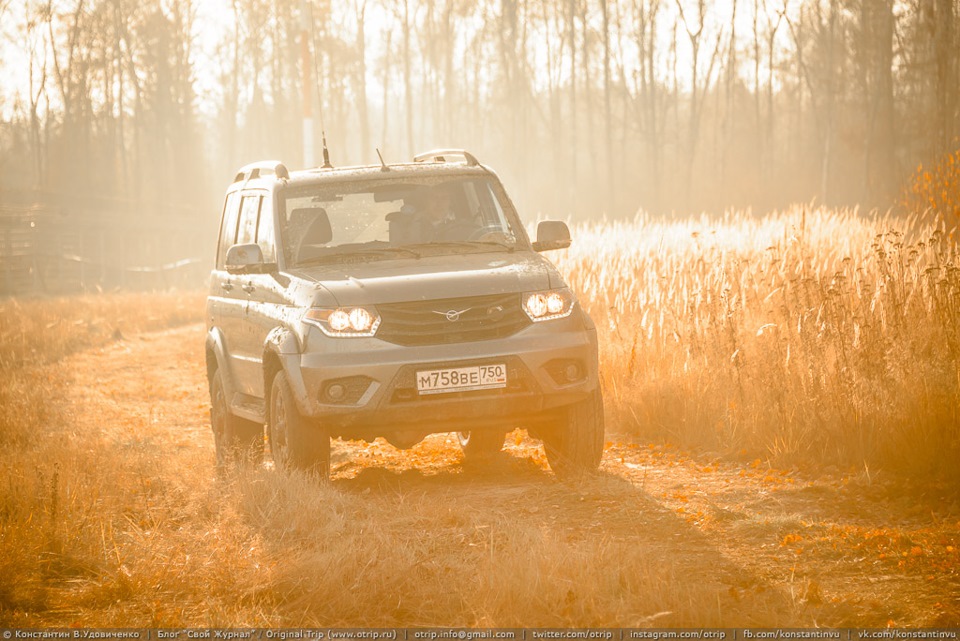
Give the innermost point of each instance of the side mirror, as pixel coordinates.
(552, 234)
(244, 259)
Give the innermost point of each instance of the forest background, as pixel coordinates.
(585, 107)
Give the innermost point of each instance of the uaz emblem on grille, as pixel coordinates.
(453, 315)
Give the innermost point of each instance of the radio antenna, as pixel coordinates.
(383, 165)
(326, 154)
(316, 73)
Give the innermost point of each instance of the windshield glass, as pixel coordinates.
(394, 218)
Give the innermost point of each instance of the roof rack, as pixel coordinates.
(257, 169)
(440, 155)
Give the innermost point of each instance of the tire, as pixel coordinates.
(296, 442)
(237, 440)
(480, 444)
(576, 446)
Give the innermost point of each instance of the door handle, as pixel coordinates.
(249, 288)
(226, 286)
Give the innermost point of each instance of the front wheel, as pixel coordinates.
(296, 442)
(479, 444)
(236, 440)
(576, 445)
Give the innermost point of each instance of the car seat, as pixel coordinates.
(316, 232)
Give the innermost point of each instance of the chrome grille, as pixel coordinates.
(451, 320)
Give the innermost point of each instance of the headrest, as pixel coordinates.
(312, 225)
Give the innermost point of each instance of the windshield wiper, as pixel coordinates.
(473, 244)
(499, 243)
(388, 250)
(346, 252)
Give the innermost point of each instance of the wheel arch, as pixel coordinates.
(216, 358)
(281, 352)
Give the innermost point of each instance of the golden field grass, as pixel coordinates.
(35, 332)
(114, 516)
(812, 337)
(111, 513)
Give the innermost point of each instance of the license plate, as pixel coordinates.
(462, 379)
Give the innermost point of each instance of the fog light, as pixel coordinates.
(566, 371)
(335, 392)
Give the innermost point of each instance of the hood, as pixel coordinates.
(432, 277)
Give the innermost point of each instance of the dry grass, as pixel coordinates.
(35, 331)
(115, 517)
(38, 331)
(111, 514)
(170, 547)
(820, 339)
(47, 511)
(814, 337)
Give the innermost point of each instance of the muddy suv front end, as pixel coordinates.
(454, 364)
(394, 302)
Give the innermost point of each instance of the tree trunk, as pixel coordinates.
(607, 124)
(830, 88)
(946, 61)
(361, 9)
(407, 80)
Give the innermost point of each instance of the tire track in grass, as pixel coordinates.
(396, 538)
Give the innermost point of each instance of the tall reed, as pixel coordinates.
(810, 335)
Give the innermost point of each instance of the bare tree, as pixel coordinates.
(677, 105)
(607, 117)
(694, 33)
(946, 60)
(360, 10)
(407, 77)
(37, 79)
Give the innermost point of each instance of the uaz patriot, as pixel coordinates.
(393, 301)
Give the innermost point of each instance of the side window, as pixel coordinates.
(228, 226)
(247, 231)
(265, 232)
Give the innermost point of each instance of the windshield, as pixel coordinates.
(394, 218)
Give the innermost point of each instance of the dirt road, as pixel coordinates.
(658, 538)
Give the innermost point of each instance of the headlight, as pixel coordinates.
(549, 304)
(344, 321)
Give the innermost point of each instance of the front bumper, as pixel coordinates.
(380, 385)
